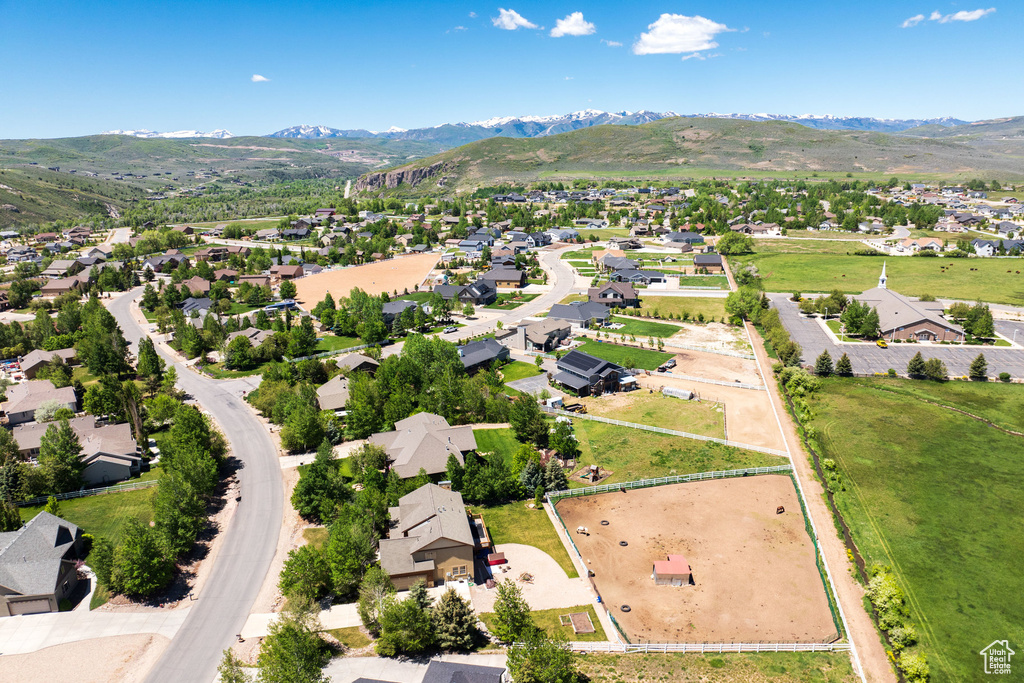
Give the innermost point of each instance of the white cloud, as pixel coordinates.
(935, 16)
(700, 57)
(573, 25)
(256, 78)
(611, 43)
(460, 28)
(510, 20)
(913, 21)
(676, 33)
(963, 15)
(472, 15)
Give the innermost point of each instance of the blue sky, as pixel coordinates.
(81, 68)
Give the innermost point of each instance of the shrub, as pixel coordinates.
(1004, 377)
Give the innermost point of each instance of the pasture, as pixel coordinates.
(935, 495)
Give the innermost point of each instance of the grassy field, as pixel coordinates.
(645, 328)
(657, 410)
(316, 536)
(335, 343)
(579, 254)
(719, 281)
(936, 496)
(103, 516)
(218, 371)
(512, 303)
(548, 620)
(777, 667)
(500, 441)
(645, 359)
(351, 637)
(993, 280)
(662, 306)
(518, 370)
(516, 523)
(574, 297)
(633, 454)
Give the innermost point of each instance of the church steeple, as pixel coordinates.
(881, 280)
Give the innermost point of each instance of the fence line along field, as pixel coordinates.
(397, 274)
(754, 574)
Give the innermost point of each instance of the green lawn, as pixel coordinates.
(633, 454)
(103, 516)
(645, 359)
(835, 325)
(777, 667)
(574, 297)
(500, 441)
(586, 254)
(548, 620)
(239, 309)
(316, 536)
(519, 370)
(936, 496)
(992, 280)
(719, 281)
(218, 371)
(645, 328)
(657, 410)
(516, 302)
(516, 523)
(351, 637)
(662, 306)
(335, 343)
(419, 297)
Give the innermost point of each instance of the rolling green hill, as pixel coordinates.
(687, 147)
(35, 195)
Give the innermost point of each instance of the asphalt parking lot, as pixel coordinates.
(869, 358)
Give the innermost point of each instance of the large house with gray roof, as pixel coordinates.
(109, 452)
(24, 399)
(38, 565)
(588, 375)
(431, 539)
(903, 318)
(424, 441)
(580, 313)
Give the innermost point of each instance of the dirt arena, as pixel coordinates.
(716, 366)
(754, 571)
(401, 273)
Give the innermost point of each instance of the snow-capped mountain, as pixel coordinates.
(220, 133)
(827, 122)
(316, 132)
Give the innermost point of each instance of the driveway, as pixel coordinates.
(250, 540)
(24, 634)
(550, 588)
(350, 669)
(869, 358)
(531, 385)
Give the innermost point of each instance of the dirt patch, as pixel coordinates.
(716, 366)
(754, 571)
(405, 272)
(712, 336)
(119, 658)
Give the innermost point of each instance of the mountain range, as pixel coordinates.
(220, 133)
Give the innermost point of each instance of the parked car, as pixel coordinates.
(881, 343)
(670, 363)
(449, 330)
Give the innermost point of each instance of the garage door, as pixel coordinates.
(29, 607)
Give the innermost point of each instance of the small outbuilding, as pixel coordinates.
(672, 572)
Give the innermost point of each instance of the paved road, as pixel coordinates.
(118, 236)
(251, 537)
(870, 358)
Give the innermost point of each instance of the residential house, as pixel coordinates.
(625, 243)
(65, 285)
(914, 245)
(459, 672)
(591, 223)
(431, 539)
(59, 268)
(580, 313)
(255, 280)
(39, 565)
(195, 305)
(1009, 229)
(562, 235)
(24, 399)
(676, 238)
(505, 277)
(286, 272)
(614, 294)
(164, 263)
(611, 262)
(357, 362)
(424, 441)
(109, 452)
(393, 309)
(197, 285)
(711, 262)
(255, 335)
(334, 394)
(479, 293)
(543, 335)
(989, 248)
(295, 233)
(33, 360)
(587, 375)
(268, 234)
(478, 355)
(640, 277)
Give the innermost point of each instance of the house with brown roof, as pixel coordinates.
(424, 441)
(505, 277)
(196, 284)
(38, 565)
(286, 272)
(431, 539)
(255, 280)
(333, 395)
(109, 452)
(33, 360)
(615, 294)
(24, 399)
(357, 362)
(64, 285)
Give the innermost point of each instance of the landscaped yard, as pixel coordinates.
(633, 454)
(645, 359)
(351, 637)
(549, 621)
(992, 280)
(585, 254)
(777, 667)
(657, 410)
(516, 523)
(936, 496)
(103, 516)
(574, 297)
(719, 281)
(218, 371)
(335, 343)
(515, 302)
(500, 441)
(519, 370)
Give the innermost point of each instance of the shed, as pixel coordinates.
(672, 572)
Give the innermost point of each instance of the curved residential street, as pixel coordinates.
(250, 539)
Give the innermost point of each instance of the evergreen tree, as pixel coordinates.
(823, 364)
(532, 475)
(527, 422)
(915, 368)
(564, 441)
(844, 367)
(418, 594)
(405, 628)
(150, 364)
(305, 574)
(979, 368)
(453, 471)
(10, 518)
(59, 451)
(454, 622)
(554, 477)
(935, 369)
